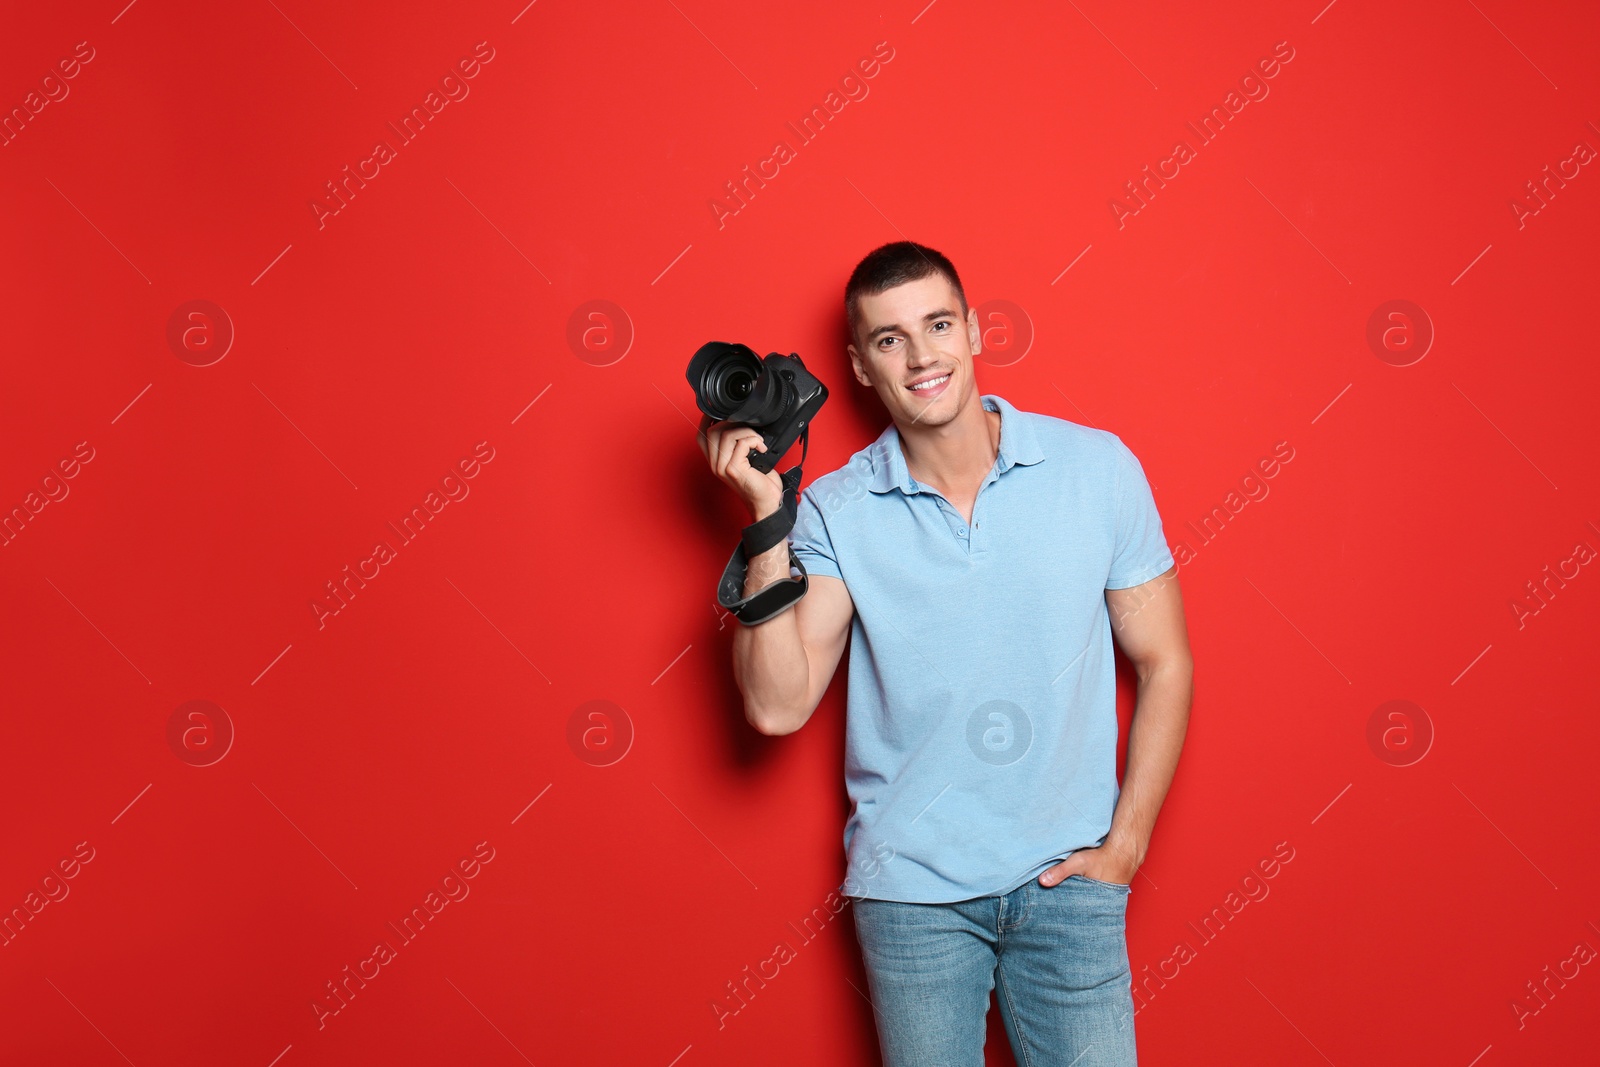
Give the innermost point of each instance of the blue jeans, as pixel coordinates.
(1058, 958)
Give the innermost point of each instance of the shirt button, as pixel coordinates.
(962, 533)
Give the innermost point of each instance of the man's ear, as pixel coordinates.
(974, 334)
(855, 365)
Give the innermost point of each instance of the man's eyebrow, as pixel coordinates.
(929, 317)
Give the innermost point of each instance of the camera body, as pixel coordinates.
(774, 394)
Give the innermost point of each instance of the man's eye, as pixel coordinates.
(941, 322)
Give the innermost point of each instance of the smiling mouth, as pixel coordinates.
(929, 385)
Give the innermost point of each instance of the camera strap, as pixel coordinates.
(757, 538)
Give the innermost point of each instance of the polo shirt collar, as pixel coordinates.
(1018, 444)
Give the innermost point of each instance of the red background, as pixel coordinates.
(373, 352)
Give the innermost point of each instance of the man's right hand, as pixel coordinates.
(727, 448)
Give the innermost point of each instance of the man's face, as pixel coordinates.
(912, 333)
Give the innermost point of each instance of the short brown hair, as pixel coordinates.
(895, 264)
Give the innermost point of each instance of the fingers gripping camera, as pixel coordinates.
(776, 396)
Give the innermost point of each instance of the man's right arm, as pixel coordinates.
(784, 665)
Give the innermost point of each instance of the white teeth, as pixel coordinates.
(922, 386)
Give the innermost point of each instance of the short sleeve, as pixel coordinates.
(810, 541)
(1141, 548)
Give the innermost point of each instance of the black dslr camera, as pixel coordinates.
(775, 394)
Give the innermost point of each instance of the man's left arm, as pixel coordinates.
(1147, 622)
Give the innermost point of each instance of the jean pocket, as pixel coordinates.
(1108, 885)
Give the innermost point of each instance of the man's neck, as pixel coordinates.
(954, 457)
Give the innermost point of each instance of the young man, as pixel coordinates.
(981, 558)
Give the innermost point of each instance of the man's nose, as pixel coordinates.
(918, 352)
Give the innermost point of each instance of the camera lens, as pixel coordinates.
(724, 377)
(736, 386)
(729, 380)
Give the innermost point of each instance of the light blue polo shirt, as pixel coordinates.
(981, 730)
